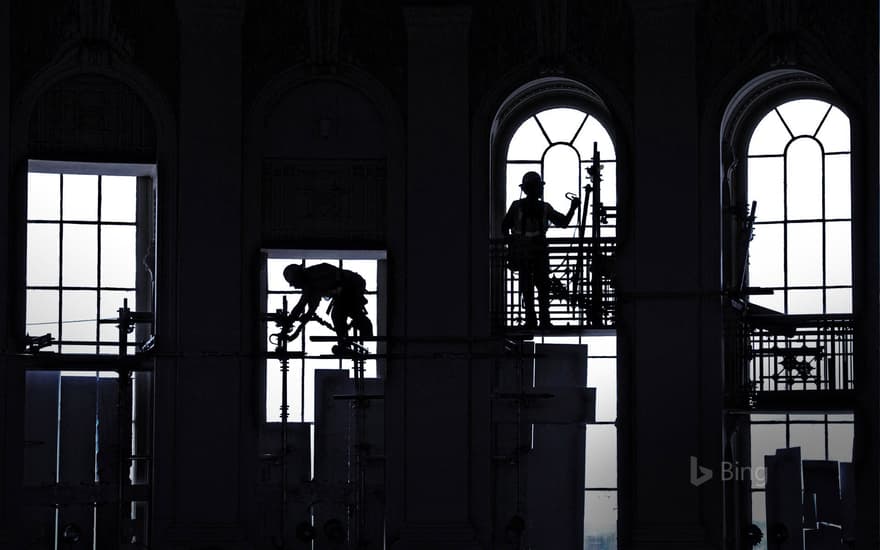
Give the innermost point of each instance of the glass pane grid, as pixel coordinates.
(808, 197)
(71, 260)
(819, 436)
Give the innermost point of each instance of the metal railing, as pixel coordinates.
(582, 294)
(785, 353)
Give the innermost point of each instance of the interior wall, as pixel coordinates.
(400, 98)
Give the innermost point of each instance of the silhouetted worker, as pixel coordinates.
(345, 289)
(525, 227)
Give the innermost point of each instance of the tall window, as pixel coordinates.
(89, 249)
(318, 355)
(89, 235)
(799, 174)
(559, 144)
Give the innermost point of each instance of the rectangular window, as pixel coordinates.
(819, 437)
(370, 265)
(600, 473)
(90, 249)
(90, 235)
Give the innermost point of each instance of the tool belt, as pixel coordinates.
(524, 253)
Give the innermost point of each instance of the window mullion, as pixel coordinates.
(98, 256)
(60, 258)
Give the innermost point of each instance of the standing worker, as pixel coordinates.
(525, 228)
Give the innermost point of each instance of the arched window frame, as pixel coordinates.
(602, 434)
(522, 104)
(781, 421)
(747, 110)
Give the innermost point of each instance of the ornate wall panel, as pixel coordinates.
(324, 199)
(91, 117)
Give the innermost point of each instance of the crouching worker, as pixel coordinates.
(346, 291)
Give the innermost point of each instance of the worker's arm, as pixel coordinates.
(562, 220)
(300, 306)
(507, 223)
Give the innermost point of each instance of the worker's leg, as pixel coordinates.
(542, 281)
(362, 324)
(339, 316)
(527, 290)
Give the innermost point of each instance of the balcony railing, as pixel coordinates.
(582, 292)
(796, 353)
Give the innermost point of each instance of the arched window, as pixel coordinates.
(799, 174)
(794, 151)
(558, 143)
(555, 128)
(561, 142)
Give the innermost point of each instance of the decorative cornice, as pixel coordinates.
(191, 11)
(419, 17)
(91, 36)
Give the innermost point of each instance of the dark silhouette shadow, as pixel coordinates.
(525, 228)
(345, 289)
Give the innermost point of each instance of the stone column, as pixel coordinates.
(670, 323)
(10, 433)
(432, 395)
(203, 400)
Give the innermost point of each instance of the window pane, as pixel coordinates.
(42, 312)
(803, 115)
(561, 176)
(601, 456)
(775, 301)
(528, 142)
(609, 182)
(594, 132)
(79, 309)
(561, 123)
(765, 439)
(118, 255)
(765, 186)
(118, 199)
(273, 391)
(767, 418)
(44, 196)
(111, 301)
(803, 165)
(838, 254)
(42, 254)
(600, 345)
(834, 133)
(759, 516)
(770, 136)
(840, 442)
(275, 273)
(838, 300)
(810, 438)
(837, 186)
(602, 375)
(807, 417)
(320, 348)
(804, 302)
(80, 197)
(804, 254)
(765, 260)
(80, 255)
(600, 520)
